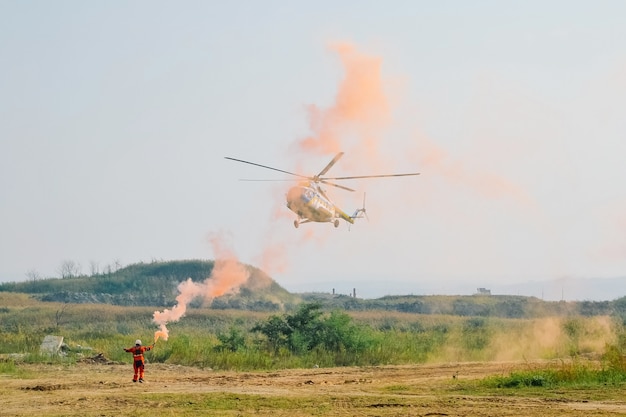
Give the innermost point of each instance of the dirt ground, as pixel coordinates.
(100, 389)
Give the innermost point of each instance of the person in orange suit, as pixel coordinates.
(138, 359)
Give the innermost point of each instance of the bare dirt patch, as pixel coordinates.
(99, 388)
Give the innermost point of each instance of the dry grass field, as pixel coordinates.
(447, 372)
(97, 388)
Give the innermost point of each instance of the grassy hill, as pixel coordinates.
(155, 285)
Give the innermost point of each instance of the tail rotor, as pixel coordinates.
(361, 212)
(363, 209)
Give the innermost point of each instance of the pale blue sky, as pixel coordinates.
(115, 118)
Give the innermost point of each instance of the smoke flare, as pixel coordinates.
(228, 275)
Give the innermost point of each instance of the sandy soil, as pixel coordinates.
(99, 389)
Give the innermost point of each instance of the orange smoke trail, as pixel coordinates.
(227, 276)
(273, 258)
(435, 159)
(360, 111)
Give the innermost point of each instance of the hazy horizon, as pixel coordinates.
(558, 289)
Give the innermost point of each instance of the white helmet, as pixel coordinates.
(138, 342)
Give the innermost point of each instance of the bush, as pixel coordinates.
(232, 341)
(308, 329)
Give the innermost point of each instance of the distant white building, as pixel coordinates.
(483, 291)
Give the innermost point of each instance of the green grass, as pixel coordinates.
(9, 368)
(386, 338)
(568, 374)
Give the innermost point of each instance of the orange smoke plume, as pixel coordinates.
(227, 276)
(360, 110)
(273, 258)
(436, 160)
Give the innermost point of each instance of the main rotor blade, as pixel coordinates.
(330, 164)
(265, 166)
(274, 180)
(371, 176)
(336, 185)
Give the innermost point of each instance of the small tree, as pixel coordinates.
(276, 330)
(59, 314)
(33, 275)
(341, 334)
(231, 341)
(69, 269)
(94, 267)
(307, 328)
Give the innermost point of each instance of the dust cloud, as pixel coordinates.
(553, 337)
(533, 339)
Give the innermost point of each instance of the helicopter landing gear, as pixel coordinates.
(336, 223)
(296, 223)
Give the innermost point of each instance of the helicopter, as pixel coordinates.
(311, 203)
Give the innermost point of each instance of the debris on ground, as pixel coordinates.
(98, 359)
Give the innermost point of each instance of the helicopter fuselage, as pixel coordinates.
(310, 203)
